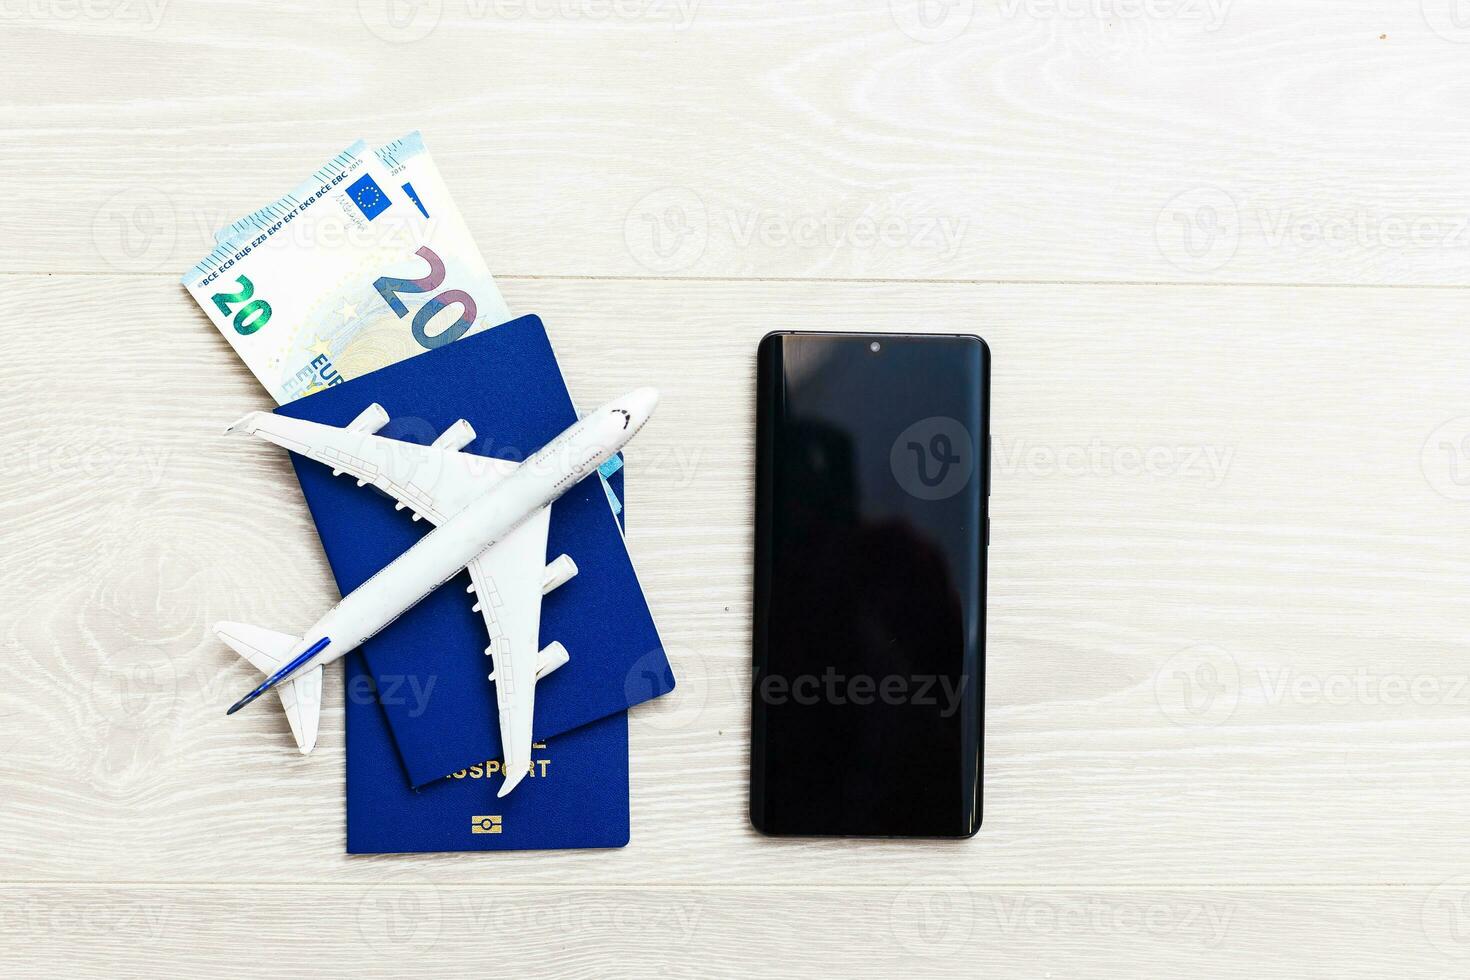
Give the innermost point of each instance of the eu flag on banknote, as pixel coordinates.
(368, 196)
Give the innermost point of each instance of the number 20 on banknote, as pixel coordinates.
(392, 288)
(249, 317)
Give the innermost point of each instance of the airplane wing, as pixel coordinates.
(508, 578)
(433, 481)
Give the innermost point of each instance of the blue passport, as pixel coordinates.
(429, 667)
(576, 795)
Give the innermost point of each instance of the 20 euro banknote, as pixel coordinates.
(365, 263)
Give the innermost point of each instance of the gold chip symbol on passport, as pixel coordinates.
(489, 824)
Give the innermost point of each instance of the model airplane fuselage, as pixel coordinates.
(492, 518)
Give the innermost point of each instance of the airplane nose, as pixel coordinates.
(642, 402)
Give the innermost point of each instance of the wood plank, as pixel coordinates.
(1185, 140)
(404, 925)
(1311, 586)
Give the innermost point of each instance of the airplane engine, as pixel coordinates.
(369, 420)
(558, 573)
(456, 437)
(550, 658)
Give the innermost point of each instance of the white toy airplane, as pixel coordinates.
(491, 517)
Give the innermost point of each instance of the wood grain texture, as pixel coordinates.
(1183, 140)
(1209, 245)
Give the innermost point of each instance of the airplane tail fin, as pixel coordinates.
(268, 651)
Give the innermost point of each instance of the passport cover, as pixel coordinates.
(576, 795)
(506, 382)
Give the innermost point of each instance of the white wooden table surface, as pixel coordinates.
(1221, 250)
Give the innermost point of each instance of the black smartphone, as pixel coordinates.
(871, 527)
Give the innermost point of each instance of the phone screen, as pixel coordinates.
(869, 606)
